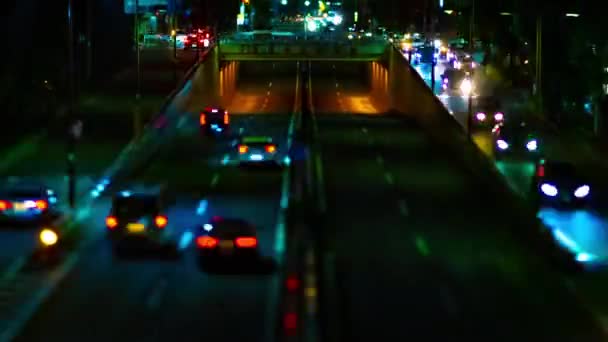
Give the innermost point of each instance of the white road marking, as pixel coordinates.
(215, 180)
(241, 130)
(403, 208)
(182, 122)
(337, 85)
(226, 159)
(185, 240)
(270, 84)
(201, 209)
(389, 178)
(268, 93)
(364, 130)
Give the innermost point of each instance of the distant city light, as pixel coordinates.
(283, 2)
(306, 3)
(573, 15)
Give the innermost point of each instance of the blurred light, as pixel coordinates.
(499, 116)
(502, 144)
(337, 20)
(505, 13)
(448, 12)
(94, 193)
(306, 3)
(549, 190)
(48, 237)
(572, 15)
(287, 160)
(208, 227)
(532, 145)
(437, 43)
(100, 187)
(466, 87)
(582, 191)
(585, 257)
(480, 116)
(105, 181)
(283, 2)
(125, 193)
(292, 283)
(312, 26)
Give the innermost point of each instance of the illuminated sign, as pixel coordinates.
(144, 5)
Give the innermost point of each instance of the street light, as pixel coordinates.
(467, 90)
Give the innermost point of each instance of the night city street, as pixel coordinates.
(289, 170)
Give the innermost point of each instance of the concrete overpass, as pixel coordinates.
(366, 50)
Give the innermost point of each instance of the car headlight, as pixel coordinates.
(532, 145)
(503, 145)
(582, 191)
(480, 116)
(549, 189)
(499, 116)
(585, 257)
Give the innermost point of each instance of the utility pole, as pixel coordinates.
(137, 126)
(539, 61)
(71, 142)
(89, 65)
(472, 26)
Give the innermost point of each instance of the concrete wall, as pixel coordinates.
(228, 80)
(204, 85)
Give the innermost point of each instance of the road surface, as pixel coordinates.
(421, 248)
(158, 299)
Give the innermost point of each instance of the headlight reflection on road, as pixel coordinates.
(48, 237)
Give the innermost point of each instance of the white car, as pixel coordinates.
(258, 150)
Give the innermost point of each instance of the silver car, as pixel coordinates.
(258, 150)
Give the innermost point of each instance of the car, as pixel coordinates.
(27, 202)
(558, 184)
(452, 79)
(226, 240)
(488, 113)
(517, 141)
(138, 218)
(214, 121)
(258, 150)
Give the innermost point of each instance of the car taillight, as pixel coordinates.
(206, 242)
(161, 221)
(540, 171)
(271, 148)
(42, 205)
(246, 242)
(243, 149)
(226, 118)
(203, 119)
(4, 205)
(111, 222)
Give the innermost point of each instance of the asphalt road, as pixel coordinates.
(150, 299)
(422, 250)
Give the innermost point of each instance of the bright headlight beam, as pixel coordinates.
(582, 191)
(532, 145)
(549, 189)
(503, 145)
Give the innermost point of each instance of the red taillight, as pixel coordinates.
(111, 222)
(42, 205)
(203, 119)
(292, 283)
(226, 118)
(207, 35)
(161, 221)
(5, 205)
(206, 242)
(290, 322)
(271, 148)
(246, 242)
(243, 149)
(540, 171)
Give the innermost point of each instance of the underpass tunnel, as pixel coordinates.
(349, 87)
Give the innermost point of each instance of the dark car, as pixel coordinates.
(488, 113)
(214, 121)
(137, 218)
(25, 202)
(452, 79)
(518, 141)
(559, 184)
(227, 240)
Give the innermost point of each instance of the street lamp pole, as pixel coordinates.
(539, 61)
(136, 113)
(71, 142)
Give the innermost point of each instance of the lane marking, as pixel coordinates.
(269, 84)
(182, 122)
(337, 85)
(225, 159)
(241, 130)
(268, 93)
(379, 160)
(215, 180)
(364, 130)
(389, 178)
(185, 240)
(403, 208)
(422, 246)
(153, 302)
(201, 209)
(338, 93)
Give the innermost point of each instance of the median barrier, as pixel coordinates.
(444, 130)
